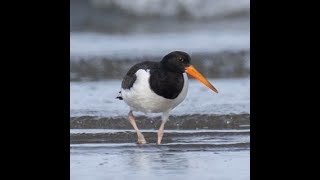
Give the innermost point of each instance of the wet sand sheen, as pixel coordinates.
(156, 162)
(209, 140)
(184, 154)
(205, 138)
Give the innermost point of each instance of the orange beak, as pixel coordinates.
(195, 73)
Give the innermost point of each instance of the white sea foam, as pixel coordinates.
(170, 8)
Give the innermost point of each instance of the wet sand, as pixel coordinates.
(134, 162)
(184, 154)
(206, 137)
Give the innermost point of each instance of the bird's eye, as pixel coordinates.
(180, 59)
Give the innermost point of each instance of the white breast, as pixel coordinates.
(140, 97)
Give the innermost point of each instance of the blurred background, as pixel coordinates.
(205, 135)
(108, 36)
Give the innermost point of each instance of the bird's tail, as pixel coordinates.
(119, 96)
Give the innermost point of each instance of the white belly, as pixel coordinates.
(140, 97)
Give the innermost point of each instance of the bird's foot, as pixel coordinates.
(141, 139)
(160, 135)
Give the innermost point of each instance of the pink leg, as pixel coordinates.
(164, 119)
(160, 132)
(141, 139)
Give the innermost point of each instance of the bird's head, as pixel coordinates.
(180, 62)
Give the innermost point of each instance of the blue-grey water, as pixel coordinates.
(131, 161)
(207, 135)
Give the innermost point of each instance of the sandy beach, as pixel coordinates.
(207, 136)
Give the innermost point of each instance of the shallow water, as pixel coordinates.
(133, 46)
(97, 98)
(184, 154)
(207, 135)
(156, 162)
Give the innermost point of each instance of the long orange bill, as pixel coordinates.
(195, 73)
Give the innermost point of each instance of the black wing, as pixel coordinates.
(131, 77)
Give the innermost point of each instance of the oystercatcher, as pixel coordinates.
(158, 87)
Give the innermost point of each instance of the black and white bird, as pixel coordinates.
(158, 87)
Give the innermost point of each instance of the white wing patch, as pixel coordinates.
(141, 98)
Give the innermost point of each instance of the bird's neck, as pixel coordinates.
(169, 69)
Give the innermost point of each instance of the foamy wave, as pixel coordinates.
(94, 44)
(170, 8)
